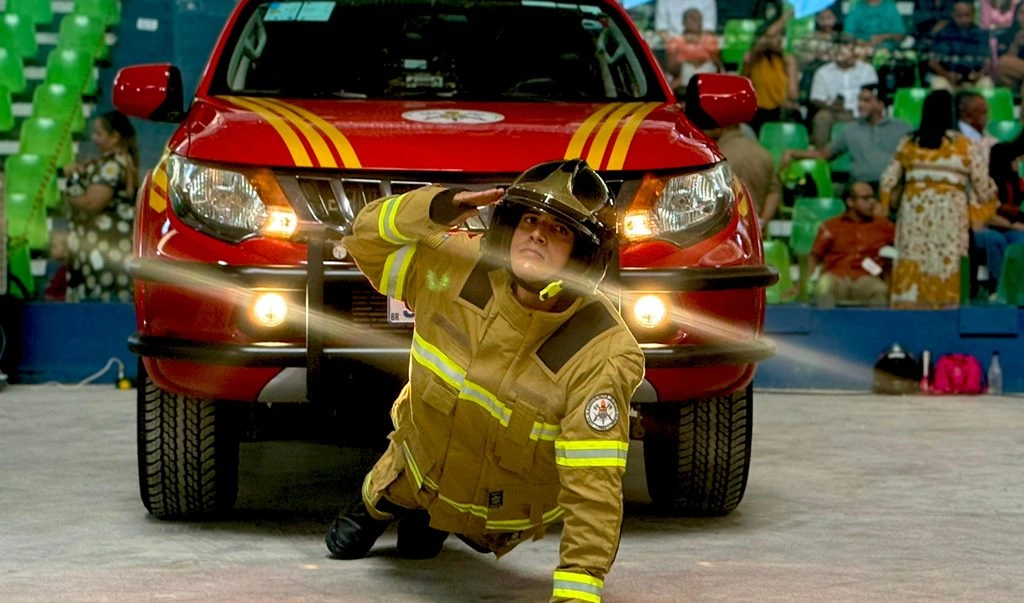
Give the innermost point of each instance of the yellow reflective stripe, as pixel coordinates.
(591, 453)
(597, 148)
(511, 525)
(410, 463)
(299, 155)
(386, 227)
(579, 138)
(434, 359)
(621, 148)
(341, 144)
(395, 269)
(323, 154)
(571, 585)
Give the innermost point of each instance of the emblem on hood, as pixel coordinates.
(453, 116)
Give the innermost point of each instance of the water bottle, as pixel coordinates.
(995, 375)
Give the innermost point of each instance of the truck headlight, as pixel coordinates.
(229, 204)
(681, 209)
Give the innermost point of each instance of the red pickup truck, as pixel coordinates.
(245, 296)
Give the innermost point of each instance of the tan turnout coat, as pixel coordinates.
(512, 418)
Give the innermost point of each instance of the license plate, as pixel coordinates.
(398, 312)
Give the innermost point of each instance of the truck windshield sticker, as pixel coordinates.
(299, 11)
(453, 116)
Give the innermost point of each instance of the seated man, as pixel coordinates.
(834, 91)
(754, 165)
(694, 51)
(871, 140)
(972, 120)
(847, 248)
(876, 22)
(960, 56)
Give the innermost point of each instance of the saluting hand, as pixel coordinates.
(472, 201)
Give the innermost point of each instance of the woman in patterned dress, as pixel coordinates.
(946, 189)
(102, 196)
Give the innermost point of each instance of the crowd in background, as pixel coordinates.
(918, 199)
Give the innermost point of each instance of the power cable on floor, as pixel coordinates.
(122, 382)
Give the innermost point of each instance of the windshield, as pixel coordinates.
(486, 51)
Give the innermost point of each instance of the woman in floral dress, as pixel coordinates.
(946, 189)
(102, 196)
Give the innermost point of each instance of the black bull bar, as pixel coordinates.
(315, 354)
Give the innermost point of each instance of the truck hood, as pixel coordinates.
(442, 136)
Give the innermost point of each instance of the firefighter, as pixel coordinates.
(515, 415)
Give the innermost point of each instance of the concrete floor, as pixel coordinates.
(851, 498)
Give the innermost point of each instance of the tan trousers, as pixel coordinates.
(941, 83)
(865, 291)
(822, 122)
(1010, 72)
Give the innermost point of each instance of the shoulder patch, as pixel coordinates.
(477, 289)
(601, 412)
(574, 334)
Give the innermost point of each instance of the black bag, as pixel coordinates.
(897, 372)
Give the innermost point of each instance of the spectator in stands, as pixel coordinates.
(668, 15)
(57, 262)
(960, 56)
(876, 22)
(870, 140)
(1010, 45)
(773, 73)
(754, 165)
(935, 166)
(972, 120)
(929, 15)
(997, 15)
(834, 92)
(694, 51)
(101, 192)
(1007, 225)
(818, 47)
(847, 248)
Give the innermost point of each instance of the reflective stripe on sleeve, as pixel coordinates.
(591, 453)
(395, 268)
(386, 227)
(570, 585)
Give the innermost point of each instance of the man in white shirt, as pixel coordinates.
(668, 15)
(972, 115)
(834, 91)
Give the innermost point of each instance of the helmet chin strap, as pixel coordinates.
(544, 291)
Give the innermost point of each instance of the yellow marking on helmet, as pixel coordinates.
(298, 152)
(625, 137)
(596, 153)
(341, 143)
(323, 154)
(579, 138)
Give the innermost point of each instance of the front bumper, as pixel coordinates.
(319, 359)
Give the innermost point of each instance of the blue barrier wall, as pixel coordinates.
(817, 349)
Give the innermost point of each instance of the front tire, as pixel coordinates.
(188, 453)
(697, 453)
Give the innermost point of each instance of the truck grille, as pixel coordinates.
(336, 201)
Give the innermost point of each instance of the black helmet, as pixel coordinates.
(575, 194)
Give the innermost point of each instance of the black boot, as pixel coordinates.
(416, 539)
(353, 533)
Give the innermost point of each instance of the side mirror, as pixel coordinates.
(715, 100)
(151, 92)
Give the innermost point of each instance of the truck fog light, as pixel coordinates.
(269, 309)
(280, 223)
(649, 311)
